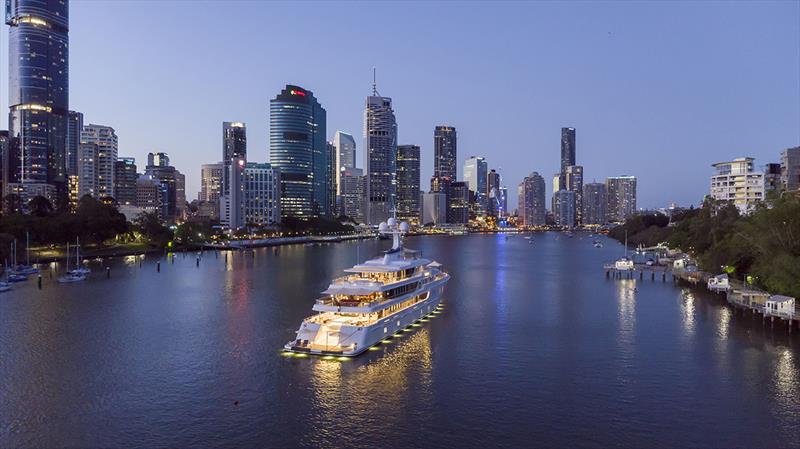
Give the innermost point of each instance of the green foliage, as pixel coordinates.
(92, 222)
(647, 230)
(151, 229)
(764, 244)
(194, 232)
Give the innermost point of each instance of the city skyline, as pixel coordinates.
(614, 114)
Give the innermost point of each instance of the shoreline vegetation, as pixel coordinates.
(761, 248)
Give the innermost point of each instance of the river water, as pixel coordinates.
(535, 347)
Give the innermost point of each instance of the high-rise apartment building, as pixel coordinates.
(298, 149)
(737, 181)
(790, 169)
(125, 181)
(564, 208)
(380, 154)
(532, 209)
(74, 130)
(87, 170)
(231, 206)
(573, 177)
(211, 182)
(445, 154)
(621, 198)
(261, 185)
(594, 203)
(408, 183)
(331, 175)
(105, 141)
(234, 146)
(38, 93)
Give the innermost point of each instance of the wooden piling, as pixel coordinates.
(108, 272)
(158, 266)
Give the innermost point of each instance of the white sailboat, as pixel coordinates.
(11, 274)
(80, 269)
(27, 268)
(624, 264)
(71, 276)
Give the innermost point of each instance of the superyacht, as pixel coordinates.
(372, 301)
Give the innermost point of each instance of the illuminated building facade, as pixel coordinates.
(38, 90)
(380, 154)
(298, 149)
(408, 180)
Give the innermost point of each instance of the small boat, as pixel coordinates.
(4, 286)
(15, 277)
(71, 277)
(624, 264)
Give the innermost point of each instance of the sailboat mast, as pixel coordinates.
(27, 248)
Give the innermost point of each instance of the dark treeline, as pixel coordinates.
(764, 244)
(93, 222)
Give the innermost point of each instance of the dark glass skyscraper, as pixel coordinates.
(74, 130)
(408, 177)
(444, 156)
(38, 91)
(567, 148)
(299, 150)
(234, 146)
(380, 153)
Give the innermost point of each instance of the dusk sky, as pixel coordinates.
(656, 90)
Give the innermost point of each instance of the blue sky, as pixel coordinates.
(655, 89)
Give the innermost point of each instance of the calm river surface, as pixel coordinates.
(535, 348)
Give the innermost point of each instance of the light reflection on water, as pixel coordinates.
(536, 347)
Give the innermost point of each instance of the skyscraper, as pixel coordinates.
(621, 197)
(105, 140)
(475, 175)
(380, 144)
(261, 187)
(345, 151)
(38, 91)
(159, 169)
(574, 183)
(234, 146)
(458, 203)
(74, 130)
(331, 175)
(231, 206)
(737, 182)
(564, 208)
(408, 180)
(594, 203)
(531, 199)
(567, 152)
(298, 149)
(493, 192)
(445, 153)
(125, 181)
(353, 194)
(210, 182)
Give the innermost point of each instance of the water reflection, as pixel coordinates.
(688, 311)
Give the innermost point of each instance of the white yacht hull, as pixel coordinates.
(350, 341)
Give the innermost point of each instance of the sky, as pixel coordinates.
(659, 90)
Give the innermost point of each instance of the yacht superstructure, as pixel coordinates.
(372, 301)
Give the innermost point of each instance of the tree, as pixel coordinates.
(40, 206)
(151, 228)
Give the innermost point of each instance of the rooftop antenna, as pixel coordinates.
(374, 83)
